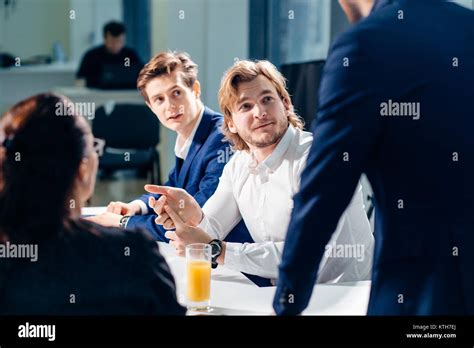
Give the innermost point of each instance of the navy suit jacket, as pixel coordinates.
(198, 174)
(421, 168)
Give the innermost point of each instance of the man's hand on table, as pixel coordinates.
(115, 212)
(179, 201)
(106, 219)
(122, 208)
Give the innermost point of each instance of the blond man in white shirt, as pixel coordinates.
(258, 184)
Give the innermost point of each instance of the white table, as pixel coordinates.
(88, 211)
(233, 294)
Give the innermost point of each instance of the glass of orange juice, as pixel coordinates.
(198, 264)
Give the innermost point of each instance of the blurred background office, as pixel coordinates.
(42, 43)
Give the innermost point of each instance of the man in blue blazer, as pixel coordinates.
(171, 89)
(396, 102)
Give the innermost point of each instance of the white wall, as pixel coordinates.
(33, 26)
(227, 39)
(90, 17)
(213, 32)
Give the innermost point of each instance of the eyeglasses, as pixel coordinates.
(98, 146)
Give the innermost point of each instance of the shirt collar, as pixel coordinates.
(275, 158)
(184, 150)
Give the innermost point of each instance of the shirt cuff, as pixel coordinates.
(143, 206)
(205, 225)
(232, 255)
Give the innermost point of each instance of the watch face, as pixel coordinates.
(216, 249)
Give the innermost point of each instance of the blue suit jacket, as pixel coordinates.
(421, 170)
(199, 175)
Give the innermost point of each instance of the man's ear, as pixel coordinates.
(197, 89)
(231, 126)
(287, 104)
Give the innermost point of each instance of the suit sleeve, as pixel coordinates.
(346, 132)
(210, 180)
(171, 182)
(207, 187)
(147, 221)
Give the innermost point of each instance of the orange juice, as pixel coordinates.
(199, 280)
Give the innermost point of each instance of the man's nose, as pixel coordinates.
(170, 105)
(259, 111)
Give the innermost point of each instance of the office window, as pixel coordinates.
(290, 31)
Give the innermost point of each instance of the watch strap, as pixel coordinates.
(123, 221)
(214, 257)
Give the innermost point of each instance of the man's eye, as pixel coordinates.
(267, 99)
(245, 107)
(177, 93)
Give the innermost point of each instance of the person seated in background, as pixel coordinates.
(70, 266)
(171, 89)
(258, 185)
(111, 65)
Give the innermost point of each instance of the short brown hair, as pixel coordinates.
(246, 71)
(166, 63)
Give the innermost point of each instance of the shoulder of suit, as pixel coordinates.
(373, 28)
(215, 135)
(215, 118)
(211, 113)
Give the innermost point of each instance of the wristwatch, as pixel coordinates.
(123, 221)
(216, 249)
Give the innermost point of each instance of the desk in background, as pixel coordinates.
(99, 96)
(17, 83)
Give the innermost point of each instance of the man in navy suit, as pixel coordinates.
(171, 89)
(396, 102)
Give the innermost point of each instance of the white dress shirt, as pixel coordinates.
(262, 194)
(181, 150)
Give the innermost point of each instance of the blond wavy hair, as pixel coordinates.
(246, 71)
